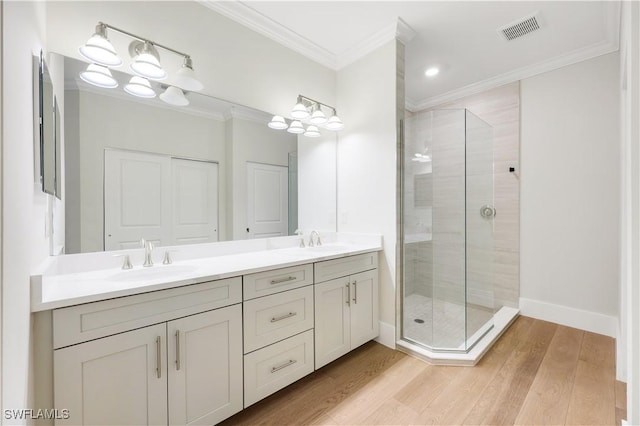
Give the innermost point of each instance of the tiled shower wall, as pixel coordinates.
(500, 108)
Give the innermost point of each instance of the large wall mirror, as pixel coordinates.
(140, 168)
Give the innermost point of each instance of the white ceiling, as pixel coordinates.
(459, 37)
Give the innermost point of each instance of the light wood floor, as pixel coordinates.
(538, 373)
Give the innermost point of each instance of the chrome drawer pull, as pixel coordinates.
(285, 316)
(348, 302)
(159, 356)
(355, 292)
(282, 280)
(285, 365)
(177, 349)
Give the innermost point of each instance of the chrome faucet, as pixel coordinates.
(318, 241)
(148, 248)
(300, 233)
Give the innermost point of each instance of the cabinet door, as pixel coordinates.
(205, 367)
(117, 380)
(332, 320)
(364, 307)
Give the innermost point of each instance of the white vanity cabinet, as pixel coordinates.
(278, 330)
(346, 305)
(184, 370)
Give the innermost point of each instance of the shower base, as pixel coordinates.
(501, 321)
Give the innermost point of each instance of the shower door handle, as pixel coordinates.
(488, 211)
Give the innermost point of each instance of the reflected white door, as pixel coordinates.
(136, 203)
(195, 201)
(267, 203)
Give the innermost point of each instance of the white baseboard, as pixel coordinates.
(570, 317)
(387, 335)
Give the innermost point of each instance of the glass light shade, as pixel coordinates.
(299, 111)
(334, 123)
(174, 96)
(146, 62)
(318, 117)
(312, 131)
(140, 86)
(186, 79)
(278, 123)
(99, 49)
(295, 127)
(99, 75)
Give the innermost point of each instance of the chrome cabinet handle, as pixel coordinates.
(159, 356)
(285, 316)
(282, 280)
(355, 292)
(348, 294)
(178, 350)
(285, 365)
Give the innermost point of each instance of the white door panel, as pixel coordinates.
(267, 204)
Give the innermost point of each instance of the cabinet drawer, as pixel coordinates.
(336, 268)
(270, 282)
(276, 317)
(90, 321)
(274, 367)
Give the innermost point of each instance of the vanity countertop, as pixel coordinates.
(57, 290)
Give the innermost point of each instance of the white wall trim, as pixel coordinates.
(579, 55)
(387, 335)
(570, 317)
(251, 18)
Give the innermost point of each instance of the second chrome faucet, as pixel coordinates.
(148, 249)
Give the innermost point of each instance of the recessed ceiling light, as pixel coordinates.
(433, 71)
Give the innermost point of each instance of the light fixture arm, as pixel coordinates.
(308, 102)
(101, 25)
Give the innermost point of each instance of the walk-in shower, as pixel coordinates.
(446, 309)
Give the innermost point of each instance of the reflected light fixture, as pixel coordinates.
(312, 131)
(140, 86)
(278, 123)
(99, 75)
(99, 49)
(174, 96)
(296, 127)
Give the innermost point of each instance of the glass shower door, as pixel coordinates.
(480, 218)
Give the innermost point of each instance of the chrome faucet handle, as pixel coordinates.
(300, 233)
(167, 257)
(126, 262)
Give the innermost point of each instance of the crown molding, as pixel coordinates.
(570, 58)
(248, 114)
(398, 29)
(251, 18)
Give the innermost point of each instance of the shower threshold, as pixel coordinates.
(501, 321)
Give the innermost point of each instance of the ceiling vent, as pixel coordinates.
(520, 27)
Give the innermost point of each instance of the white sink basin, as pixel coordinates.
(152, 273)
(326, 249)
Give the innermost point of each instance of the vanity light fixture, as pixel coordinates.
(174, 96)
(278, 123)
(99, 75)
(145, 64)
(99, 49)
(311, 113)
(140, 86)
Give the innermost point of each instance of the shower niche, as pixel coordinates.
(447, 312)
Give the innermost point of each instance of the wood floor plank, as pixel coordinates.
(455, 402)
(503, 397)
(621, 402)
(392, 412)
(550, 393)
(593, 399)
